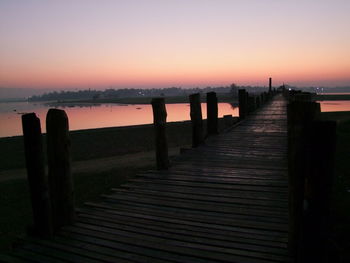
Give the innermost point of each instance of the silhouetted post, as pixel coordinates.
(243, 103)
(38, 185)
(228, 120)
(300, 116)
(251, 104)
(159, 120)
(212, 113)
(266, 97)
(320, 177)
(257, 100)
(303, 96)
(59, 165)
(270, 85)
(296, 178)
(196, 119)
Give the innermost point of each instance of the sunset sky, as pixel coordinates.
(162, 43)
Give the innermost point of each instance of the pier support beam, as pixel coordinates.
(38, 184)
(212, 113)
(59, 168)
(196, 119)
(243, 103)
(159, 120)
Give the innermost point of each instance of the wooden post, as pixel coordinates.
(270, 85)
(257, 100)
(196, 119)
(251, 103)
(59, 164)
(296, 179)
(159, 120)
(319, 181)
(300, 116)
(228, 120)
(38, 185)
(243, 103)
(212, 113)
(304, 96)
(266, 96)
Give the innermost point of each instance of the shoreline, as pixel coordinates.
(105, 142)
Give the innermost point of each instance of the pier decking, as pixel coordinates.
(225, 201)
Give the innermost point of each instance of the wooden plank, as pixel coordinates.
(106, 254)
(210, 216)
(180, 241)
(183, 170)
(212, 179)
(178, 251)
(57, 253)
(259, 188)
(134, 224)
(122, 195)
(190, 196)
(199, 206)
(30, 256)
(252, 195)
(67, 246)
(125, 248)
(256, 223)
(193, 222)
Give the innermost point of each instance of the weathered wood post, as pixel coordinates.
(296, 179)
(38, 184)
(212, 113)
(59, 165)
(300, 115)
(258, 101)
(266, 97)
(243, 103)
(228, 120)
(159, 120)
(251, 104)
(320, 177)
(196, 119)
(270, 85)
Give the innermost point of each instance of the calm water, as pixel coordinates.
(97, 116)
(335, 105)
(112, 115)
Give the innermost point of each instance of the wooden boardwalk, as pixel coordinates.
(225, 201)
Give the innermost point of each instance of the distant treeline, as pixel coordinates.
(90, 94)
(128, 93)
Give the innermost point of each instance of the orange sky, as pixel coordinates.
(174, 43)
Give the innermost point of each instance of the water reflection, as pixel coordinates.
(335, 105)
(87, 116)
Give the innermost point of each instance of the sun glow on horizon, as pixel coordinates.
(178, 43)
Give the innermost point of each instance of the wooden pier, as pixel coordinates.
(224, 201)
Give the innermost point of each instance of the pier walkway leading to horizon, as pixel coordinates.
(225, 201)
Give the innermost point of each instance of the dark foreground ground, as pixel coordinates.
(103, 158)
(92, 145)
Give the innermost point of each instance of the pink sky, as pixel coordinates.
(130, 43)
